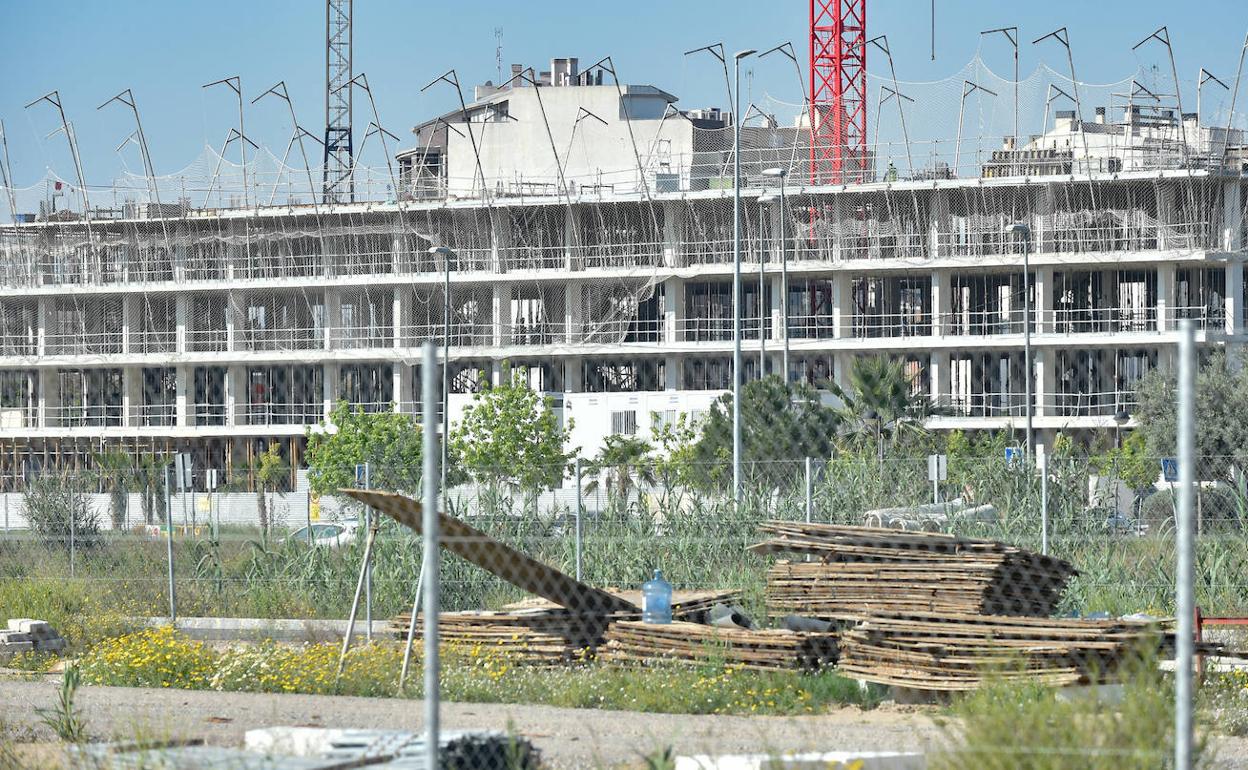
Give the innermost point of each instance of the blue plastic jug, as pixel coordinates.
(656, 600)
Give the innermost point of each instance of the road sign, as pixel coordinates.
(1170, 469)
(937, 468)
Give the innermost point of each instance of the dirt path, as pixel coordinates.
(568, 738)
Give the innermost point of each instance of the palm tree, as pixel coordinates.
(117, 475)
(626, 462)
(881, 399)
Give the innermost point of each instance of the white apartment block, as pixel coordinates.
(218, 330)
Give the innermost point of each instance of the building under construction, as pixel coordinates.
(591, 235)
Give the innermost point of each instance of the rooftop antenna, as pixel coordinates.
(498, 52)
(126, 98)
(968, 88)
(299, 133)
(54, 98)
(6, 173)
(236, 85)
(338, 164)
(901, 114)
(1204, 77)
(1162, 35)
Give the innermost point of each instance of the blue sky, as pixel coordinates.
(166, 50)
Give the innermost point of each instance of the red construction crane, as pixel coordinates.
(838, 91)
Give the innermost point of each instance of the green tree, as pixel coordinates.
(781, 425)
(151, 479)
(388, 441)
(626, 463)
(510, 435)
(1221, 419)
(271, 473)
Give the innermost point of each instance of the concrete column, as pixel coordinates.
(673, 213)
(842, 306)
(182, 414)
(329, 387)
(503, 314)
(939, 214)
(333, 317)
(573, 376)
(131, 324)
(842, 361)
(570, 257)
(942, 303)
(235, 319)
(671, 372)
(182, 321)
(1166, 213)
(777, 307)
(403, 395)
(1233, 216)
(49, 398)
(1043, 304)
(400, 304)
(131, 396)
(1044, 388)
(1167, 279)
(235, 395)
(1235, 297)
(398, 254)
(500, 228)
(572, 314)
(43, 321)
(673, 308)
(939, 371)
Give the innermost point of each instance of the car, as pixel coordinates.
(330, 534)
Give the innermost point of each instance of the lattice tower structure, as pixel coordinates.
(339, 151)
(838, 90)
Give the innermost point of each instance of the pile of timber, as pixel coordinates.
(943, 652)
(633, 642)
(537, 631)
(862, 570)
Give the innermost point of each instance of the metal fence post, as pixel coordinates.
(368, 563)
(1042, 462)
(432, 577)
(810, 485)
(72, 545)
(173, 594)
(580, 510)
(1185, 601)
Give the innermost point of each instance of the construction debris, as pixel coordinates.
(945, 652)
(637, 642)
(29, 635)
(507, 563)
(861, 570)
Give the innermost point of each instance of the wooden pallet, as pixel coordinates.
(633, 642)
(861, 570)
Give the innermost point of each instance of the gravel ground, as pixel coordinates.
(568, 738)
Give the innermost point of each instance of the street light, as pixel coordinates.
(736, 274)
(447, 255)
(781, 173)
(1121, 418)
(1019, 228)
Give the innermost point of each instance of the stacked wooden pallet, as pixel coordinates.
(944, 652)
(636, 642)
(860, 570)
(537, 631)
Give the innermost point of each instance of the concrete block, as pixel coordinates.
(14, 636)
(29, 625)
(8, 648)
(51, 645)
(830, 760)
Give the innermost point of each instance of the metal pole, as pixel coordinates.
(784, 276)
(411, 627)
(446, 366)
(763, 314)
(355, 603)
(1043, 459)
(736, 279)
(431, 554)
(173, 595)
(368, 561)
(810, 484)
(1027, 336)
(1185, 602)
(580, 509)
(72, 544)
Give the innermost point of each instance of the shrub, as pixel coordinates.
(1217, 508)
(60, 512)
(154, 657)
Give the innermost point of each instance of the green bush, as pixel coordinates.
(1218, 508)
(60, 512)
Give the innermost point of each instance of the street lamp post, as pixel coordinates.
(1121, 418)
(447, 254)
(1019, 228)
(736, 274)
(781, 173)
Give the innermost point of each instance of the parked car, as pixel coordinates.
(331, 535)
